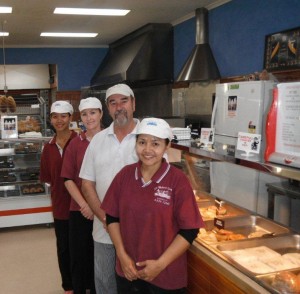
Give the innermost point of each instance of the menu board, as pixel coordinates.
(283, 126)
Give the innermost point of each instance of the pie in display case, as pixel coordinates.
(24, 200)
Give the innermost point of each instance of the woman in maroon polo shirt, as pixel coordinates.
(51, 163)
(152, 217)
(81, 215)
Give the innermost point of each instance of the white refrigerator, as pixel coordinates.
(239, 107)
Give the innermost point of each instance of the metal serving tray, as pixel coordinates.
(202, 196)
(232, 211)
(246, 225)
(282, 244)
(288, 243)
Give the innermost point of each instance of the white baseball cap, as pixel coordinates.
(90, 102)
(156, 127)
(119, 89)
(62, 107)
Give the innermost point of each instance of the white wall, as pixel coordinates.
(25, 76)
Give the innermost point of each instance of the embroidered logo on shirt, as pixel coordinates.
(162, 195)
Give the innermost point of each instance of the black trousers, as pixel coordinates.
(63, 253)
(140, 286)
(82, 253)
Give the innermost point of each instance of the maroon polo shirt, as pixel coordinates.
(151, 215)
(73, 157)
(51, 163)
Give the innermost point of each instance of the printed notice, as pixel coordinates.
(9, 127)
(249, 143)
(288, 119)
(207, 136)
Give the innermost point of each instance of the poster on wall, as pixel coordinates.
(9, 127)
(282, 50)
(283, 126)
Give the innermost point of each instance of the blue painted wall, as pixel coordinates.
(75, 66)
(237, 33)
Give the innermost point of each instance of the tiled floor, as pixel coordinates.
(28, 262)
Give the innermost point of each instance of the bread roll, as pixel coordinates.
(221, 210)
(33, 189)
(11, 104)
(236, 237)
(286, 282)
(3, 103)
(39, 189)
(26, 190)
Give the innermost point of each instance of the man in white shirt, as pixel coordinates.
(108, 152)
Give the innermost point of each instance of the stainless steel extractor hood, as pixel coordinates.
(144, 56)
(200, 65)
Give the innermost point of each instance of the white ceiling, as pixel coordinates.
(31, 17)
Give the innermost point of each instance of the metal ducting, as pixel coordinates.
(200, 65)
(140, 58)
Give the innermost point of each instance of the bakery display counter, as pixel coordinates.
(23, 199)
(241, 250)
(243, 253)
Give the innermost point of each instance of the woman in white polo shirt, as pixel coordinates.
(152, 217)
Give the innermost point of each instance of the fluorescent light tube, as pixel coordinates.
(88, 11)
(72, 35)
(5, 34)
(5, 9)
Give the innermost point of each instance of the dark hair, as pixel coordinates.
(167, 140)
(60, 113)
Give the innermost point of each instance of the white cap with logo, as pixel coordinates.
(90, 102)
(122, 89)
(62, 107)
(156, 127)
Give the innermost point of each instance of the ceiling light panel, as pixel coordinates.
(5, 9)
(87, 11)
(71, 35)
(5, 34)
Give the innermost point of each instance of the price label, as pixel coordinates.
(219, 223)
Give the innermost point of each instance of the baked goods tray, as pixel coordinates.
(208, 210)
(30, 189)
(240, 227)
(263, 255)
(281, 282)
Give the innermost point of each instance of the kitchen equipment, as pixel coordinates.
(238, 107)
(201, 64)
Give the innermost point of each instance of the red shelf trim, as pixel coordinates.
(25, 211)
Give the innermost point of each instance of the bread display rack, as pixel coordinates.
(31, 110)
(23, 199)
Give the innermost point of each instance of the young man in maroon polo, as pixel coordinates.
(51, 163)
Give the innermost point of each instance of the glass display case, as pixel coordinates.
(23, 199)
(243, 214)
